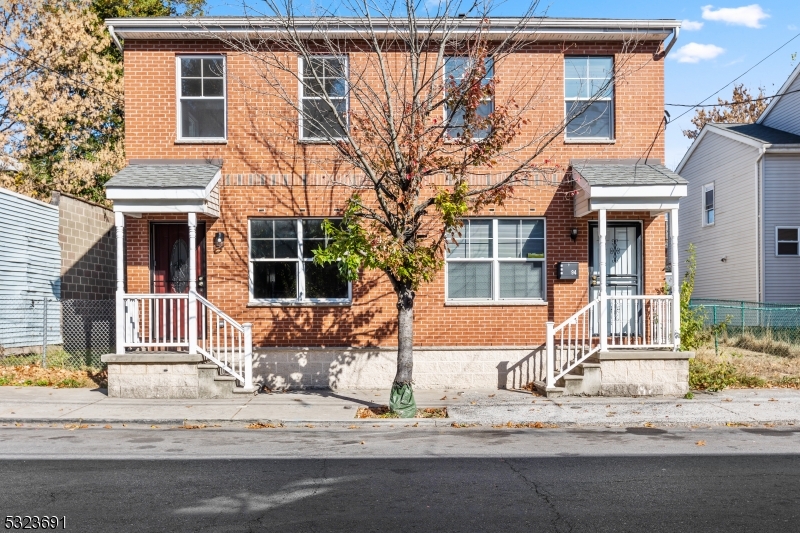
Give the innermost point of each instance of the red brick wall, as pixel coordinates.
(260, 144)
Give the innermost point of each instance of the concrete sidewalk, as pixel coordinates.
(734, 407)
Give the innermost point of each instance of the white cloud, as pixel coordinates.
(750, 16)
(694, 52)
(691, 25)
(791, 27)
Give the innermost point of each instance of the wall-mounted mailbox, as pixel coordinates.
(567, 271)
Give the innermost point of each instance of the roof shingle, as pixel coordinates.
(761, 133)
(625, 173)
(164, 176)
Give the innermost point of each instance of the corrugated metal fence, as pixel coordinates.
(56, 333)
(779, 321)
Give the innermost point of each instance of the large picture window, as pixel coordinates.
(201, 98)
(282, 267)
(457, 67)
(498, 259)
(323, 79)
(589, 97)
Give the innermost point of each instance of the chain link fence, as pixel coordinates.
(56, 333)
(779, 322)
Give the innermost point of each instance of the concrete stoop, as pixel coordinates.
(625, 373)
(168, 375)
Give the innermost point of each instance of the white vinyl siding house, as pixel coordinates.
(755, 172)
(729, 165)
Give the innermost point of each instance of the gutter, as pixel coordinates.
(662, 54)
(114, 37)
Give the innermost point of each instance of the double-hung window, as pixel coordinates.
(201, 98)
(787, 241)
(323, 98)
(589, 97)
(455, 69)
(708, 204)
(497, 260)
(281, 263)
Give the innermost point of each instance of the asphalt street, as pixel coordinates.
(404, 479)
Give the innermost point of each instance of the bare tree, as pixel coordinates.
(408, 99)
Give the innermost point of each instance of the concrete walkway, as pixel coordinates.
(40, 405)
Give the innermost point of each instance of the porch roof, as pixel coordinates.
(166, 186)
(625, 185)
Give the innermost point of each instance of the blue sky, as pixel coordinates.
(717, 44)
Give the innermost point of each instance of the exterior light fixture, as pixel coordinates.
(573, 234)
(219, 240)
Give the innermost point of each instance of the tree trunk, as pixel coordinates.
(405, 335)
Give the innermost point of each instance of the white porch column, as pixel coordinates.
(601, 229)
(119, 223)
(192, 302)
(676, 280)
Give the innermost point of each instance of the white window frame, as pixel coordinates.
(301, 98)
(495, 260)
(301, 271)
(797, 229)
(611, 99)
(224, 98)
(703, 211)
(444, 108)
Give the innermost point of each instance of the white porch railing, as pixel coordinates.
(570, 343)
(166, 321)
(640, 322)
(225, 342)
(632, 322)
(156, 321)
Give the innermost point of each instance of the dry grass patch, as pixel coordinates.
(747, 368)
(520, 425)
(384, 412)
(35, 376)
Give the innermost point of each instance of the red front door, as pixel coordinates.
(170, 275)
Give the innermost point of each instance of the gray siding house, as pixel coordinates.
(742, 212)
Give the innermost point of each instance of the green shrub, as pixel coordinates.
(693, 333)
(714, 377)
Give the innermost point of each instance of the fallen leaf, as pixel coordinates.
(262, 425)
(773, 400)
(442, 398)
(491, 396)
(154, 427)
(678, 405)
(107, 426)
(415, 425)
(309, 425)
(727, 400)
(352, 427)
(701, 443)
(473, 403)
(648, 424)
(362, 442)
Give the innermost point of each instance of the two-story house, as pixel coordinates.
(549, 287)
(742, 212)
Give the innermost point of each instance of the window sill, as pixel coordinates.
(299, 304)
(590, 141)
(494, 303)
(201, 141)
(319, 141)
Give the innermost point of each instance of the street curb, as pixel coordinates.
(226, 422)
(169, 423)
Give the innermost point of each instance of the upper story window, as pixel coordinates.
(586, 79)
(457, 67)
(323, 98)
(787, 241)
(201, 97)
(282, 269)
(708, 204)
(500, 259)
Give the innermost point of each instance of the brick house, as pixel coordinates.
(211, 212)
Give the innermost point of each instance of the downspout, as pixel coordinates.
(759, 168)
(662, 54)
(115, 39)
